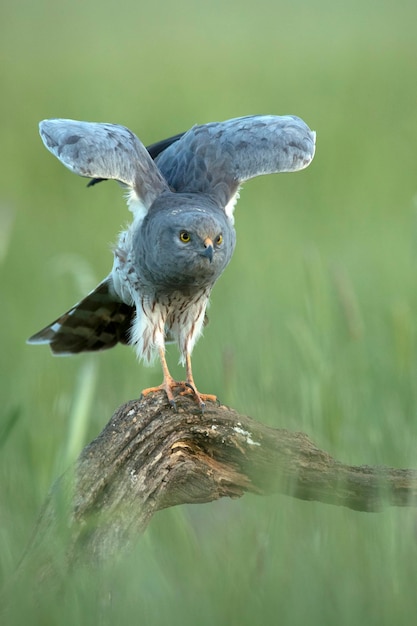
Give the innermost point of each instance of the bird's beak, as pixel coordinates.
(208, 249)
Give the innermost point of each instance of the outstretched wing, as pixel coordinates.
(106, 151)
(216, 158)
(154, 150)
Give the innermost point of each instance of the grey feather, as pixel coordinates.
(104, 151)
(216, 158)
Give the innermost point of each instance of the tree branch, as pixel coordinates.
(149, 457)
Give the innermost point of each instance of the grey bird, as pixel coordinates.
(182, 192)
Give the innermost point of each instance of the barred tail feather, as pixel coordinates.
(98, 322)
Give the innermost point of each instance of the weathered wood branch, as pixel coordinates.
(149, 457)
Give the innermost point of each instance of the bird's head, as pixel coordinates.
(184, 243)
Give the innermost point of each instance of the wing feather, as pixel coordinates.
(217, 158)
(105, 151)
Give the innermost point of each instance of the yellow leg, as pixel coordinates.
(201, 398)
(168, 384)
(186, 388)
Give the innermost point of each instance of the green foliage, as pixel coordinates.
(312, 327)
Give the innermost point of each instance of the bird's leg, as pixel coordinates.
(187, 388)
(201, 398)
(168, 384)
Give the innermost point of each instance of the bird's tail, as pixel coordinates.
(98, 322)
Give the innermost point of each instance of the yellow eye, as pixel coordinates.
(184, 236)
(219, 240)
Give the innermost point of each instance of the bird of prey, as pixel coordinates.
(182, 192)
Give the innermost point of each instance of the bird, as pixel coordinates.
(182, 193)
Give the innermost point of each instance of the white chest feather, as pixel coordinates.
(176, 318)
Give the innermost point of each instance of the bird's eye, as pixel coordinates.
(184, 236)
(219, 240)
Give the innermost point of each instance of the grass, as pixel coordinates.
(312, 327)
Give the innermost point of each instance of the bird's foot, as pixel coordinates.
(200, 398)
(185, 389)
(167, 386)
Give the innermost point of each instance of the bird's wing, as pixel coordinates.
(216, 158)
(106, 151)
(154, 150)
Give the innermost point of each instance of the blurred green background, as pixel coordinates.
(313, 325)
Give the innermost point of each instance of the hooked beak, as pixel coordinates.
(208, 249)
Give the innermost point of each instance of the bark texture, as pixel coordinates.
(149, 457)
